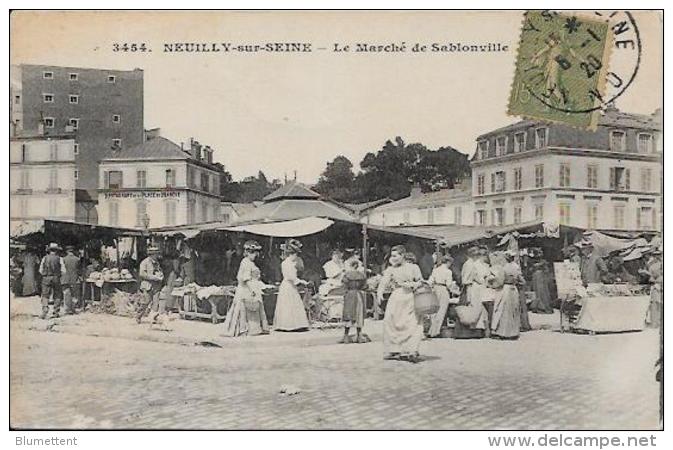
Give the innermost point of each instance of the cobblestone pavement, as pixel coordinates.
(546, 380)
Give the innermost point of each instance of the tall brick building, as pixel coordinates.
(104, 108)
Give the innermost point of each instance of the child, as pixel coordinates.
(256, 316)
(355, 282)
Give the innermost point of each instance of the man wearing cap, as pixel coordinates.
(593, 268)
(151, 279)
(70, 280)
(51, 269)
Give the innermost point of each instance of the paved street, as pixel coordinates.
(99, 371)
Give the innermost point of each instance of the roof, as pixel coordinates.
(296, 208)
(241, 208)
(292, 190)
(427, 199)
(611, 118)
(156, 148)
(359, 208)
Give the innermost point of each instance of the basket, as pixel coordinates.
(425, 301)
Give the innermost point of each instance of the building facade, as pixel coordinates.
(443, 207)
(159, 184)
(104, 108)
(608, 179)
(43, 176)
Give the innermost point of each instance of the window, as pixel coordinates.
(564, 175)
(618, 216)
(517, 179)
(498, 216)
(76, 174)
(620, 179)
(500, 180)
(53, 179)
(116, 143)
(645, 179)
(47, 75)
(114, 179)
(17, 99)
(564, 213)
(592, 177)
(617, 141)
(540, 138)
(481, 181)
(191, 210)
(73, 99)
(170, 177)
(539, 176)
(480, 217)
(226, 217)
(482, 148)
(539, 212)
(74, 122)
(431, 216)
(76, 148)
(458, 215)
(520, 142)
(25, 179)
(49, 122)
(645, 143)
(517, 214)
(48, 98)
(53, 151)
(205, 182)
(204, 211)
(73, 76)
(111, 78)
(493, 182)
(116, 118)
(500, 145)
(141, 214)
(113, 213)
(645, 218)
(24, 154)
(169, 212)
(141, 178)
(190, 177)
(592, 216)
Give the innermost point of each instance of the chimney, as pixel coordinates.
(415, 191)
(195, 149)
(208, 154)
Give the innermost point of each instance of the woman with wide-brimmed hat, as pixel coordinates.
(441, 280)
(236, 323)
(290, 314)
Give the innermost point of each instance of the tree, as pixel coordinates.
(250, 189)
(337, 180)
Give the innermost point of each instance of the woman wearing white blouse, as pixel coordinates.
(290, 314)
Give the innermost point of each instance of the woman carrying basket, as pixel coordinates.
(402, 328)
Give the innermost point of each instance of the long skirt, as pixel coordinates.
(29, 280)
(256, 317)
(473, 315)
(402, 328)
(290, 314)
(354, 309)
(542, 302)
(507, 313)
(236, 323)
(438, 319)
(655, 312)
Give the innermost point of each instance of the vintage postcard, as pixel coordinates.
(336, 220)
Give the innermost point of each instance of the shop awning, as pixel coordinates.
(286, 228)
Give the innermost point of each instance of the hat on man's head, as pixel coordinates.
(54, 246)
(153, 249)
(70, 247)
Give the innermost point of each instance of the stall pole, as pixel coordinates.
(116, 241)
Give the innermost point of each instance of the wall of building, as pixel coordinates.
(439, 214)
(42, 179)
(98, 101)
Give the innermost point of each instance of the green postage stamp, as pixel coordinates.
(561, 67)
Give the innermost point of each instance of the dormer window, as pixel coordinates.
(500, 145)
(540, 138)
(645, 143)
(111, 79)
(482, 149)
(48, 75)
(48, 98)
(520, 142)
(617, 141)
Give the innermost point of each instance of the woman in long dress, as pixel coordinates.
(471, 318)
(290, 314)
(30, 274)
(655, 271)
(441, 280)
(506, 322)
(542, 302)
(402, 328)
(236, 323)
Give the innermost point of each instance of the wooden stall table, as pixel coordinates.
(213, 307)
(108, 287)
(612, 314)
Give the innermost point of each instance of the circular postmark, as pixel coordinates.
(583, 63)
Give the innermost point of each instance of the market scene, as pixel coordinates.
(516, 285)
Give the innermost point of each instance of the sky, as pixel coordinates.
(286, 112)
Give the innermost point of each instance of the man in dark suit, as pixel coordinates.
(70, 280)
